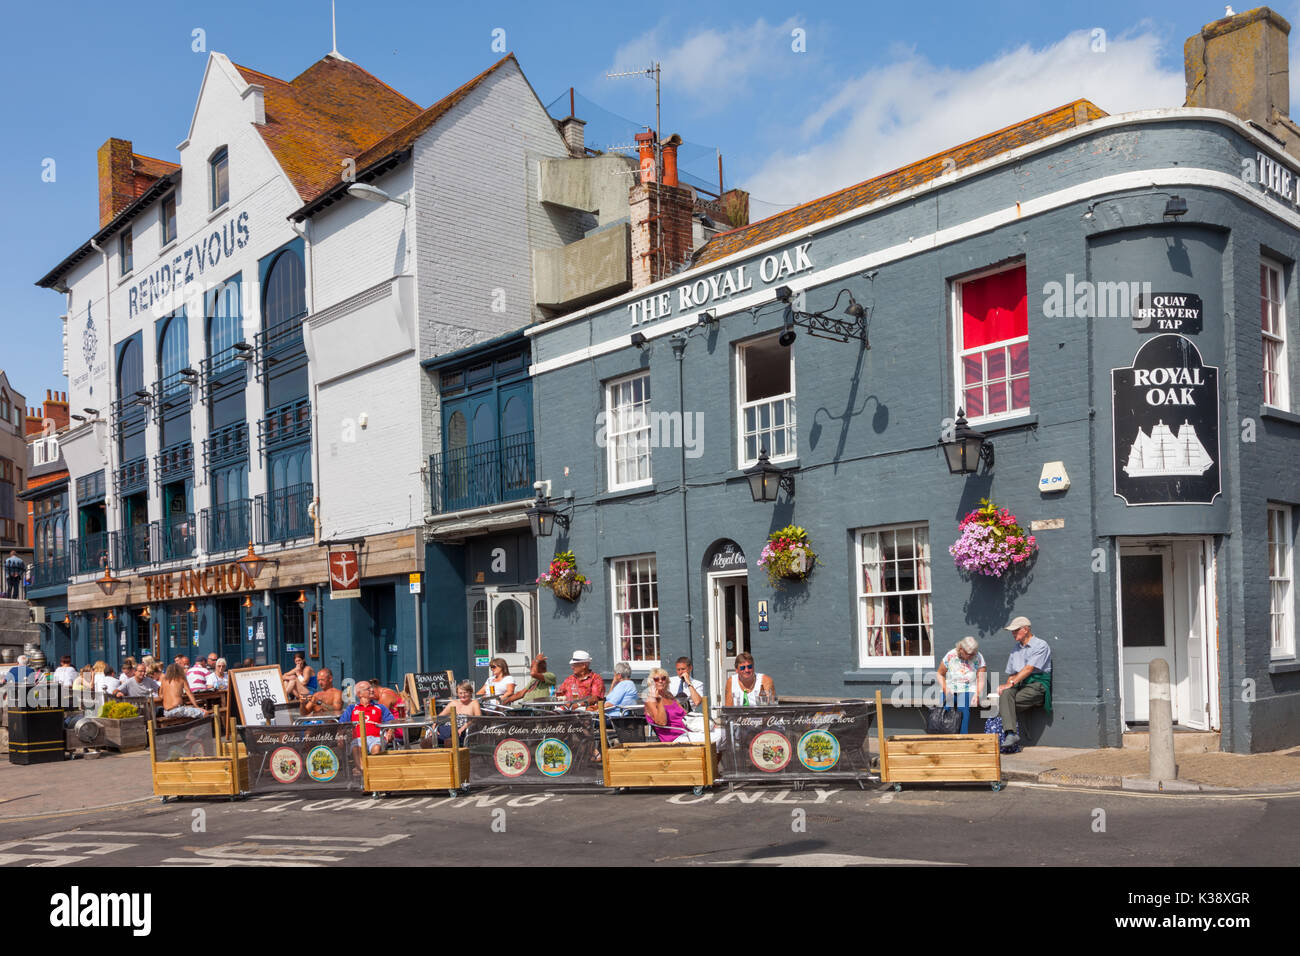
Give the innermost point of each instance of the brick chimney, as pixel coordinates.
(661, 214)
(116, 179)
(1239, 64)
(571, 129)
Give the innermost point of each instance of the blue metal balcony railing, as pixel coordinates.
(226, 445)
(229, 526)
(174, 537)
(90, 488)
(175, 462)
(49, 572)
(172, 390)
(283, 514)
(283, 335)
(132, 476)
(132, 546)
(90, 550)
(484, 473)
(287, 424)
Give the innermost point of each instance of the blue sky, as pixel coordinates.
(875, 86)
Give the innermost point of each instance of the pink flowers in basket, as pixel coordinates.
(991, 541)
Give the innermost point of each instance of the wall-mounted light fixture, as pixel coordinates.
(967, 448)
(766, 480)
(252, 563)
(189, 376)
(543, 516)
(821, 324)
(638, 339)
(374, 194)
(706, 319)
(107, 583)
(1175, 207)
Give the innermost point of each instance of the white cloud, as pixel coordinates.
(709, 65)
(908, 109)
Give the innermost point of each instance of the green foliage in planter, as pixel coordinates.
(118, 710)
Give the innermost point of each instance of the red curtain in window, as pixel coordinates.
(993, 309)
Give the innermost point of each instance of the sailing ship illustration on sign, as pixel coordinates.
(1164, 453)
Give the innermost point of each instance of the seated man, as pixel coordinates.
(584, 686)
(688, 691)
(139, 684)
(175, 690)
(198, 675)
(1030, 683)
(375, 714)
(622, 692)
(539, 687)
(328, 699)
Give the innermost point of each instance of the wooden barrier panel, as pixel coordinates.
(433, 769)
(658, 765)
(938, 758)
(224, 775)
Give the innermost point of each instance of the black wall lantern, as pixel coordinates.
(543, 517)
(766, 480)
(967, 448)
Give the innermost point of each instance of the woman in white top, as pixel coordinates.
(747, 687)
(500, 683)
(961, 677)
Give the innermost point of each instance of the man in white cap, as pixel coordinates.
(1030, 681)
(583, 685)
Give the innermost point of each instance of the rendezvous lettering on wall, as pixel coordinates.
(189, 265)
(774, 267)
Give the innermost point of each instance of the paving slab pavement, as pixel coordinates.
(1118, 767)
(85, 783)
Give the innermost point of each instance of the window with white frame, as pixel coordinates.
(125, 252)
(992, 339)
(627, 431)
(219, 185)
(1272, 314)
(168, 219)
(636, 609)
(1281, 600)
(765, 377)
(894, 614)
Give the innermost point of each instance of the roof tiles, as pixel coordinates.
(932, 167)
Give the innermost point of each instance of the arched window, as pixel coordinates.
(174, 352)
(225, 324)
(284, 294)
(220, 179)
(130, 369)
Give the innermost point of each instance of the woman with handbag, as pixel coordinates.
(961, 678)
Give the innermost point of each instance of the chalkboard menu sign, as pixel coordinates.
(422, 688)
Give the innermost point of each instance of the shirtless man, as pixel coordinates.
(175, 690)
(327, 700)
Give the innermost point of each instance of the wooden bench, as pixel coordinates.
(937, 758)
(434, 769)
(225, 775)
(658, 764)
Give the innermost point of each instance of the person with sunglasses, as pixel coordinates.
(662, 711)
(747, 687)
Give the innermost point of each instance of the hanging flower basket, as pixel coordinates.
(562, 576)
(787, 556)
(991, 542)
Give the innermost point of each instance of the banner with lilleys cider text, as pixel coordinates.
(552, 750)
(308, 757)
(796, 740)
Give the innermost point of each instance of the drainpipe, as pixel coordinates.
(111, 519)
(678, 343)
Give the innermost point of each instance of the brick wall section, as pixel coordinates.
(661, 231)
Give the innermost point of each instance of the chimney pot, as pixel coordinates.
(670, 159)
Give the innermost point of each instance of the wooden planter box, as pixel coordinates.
(444, 768)
(130, 733)
(938, 758)
(657, 764)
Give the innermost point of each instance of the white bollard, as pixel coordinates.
(1161, 717)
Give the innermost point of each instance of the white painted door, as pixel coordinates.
(512, 629)
(728, 628)
(1146, 621)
